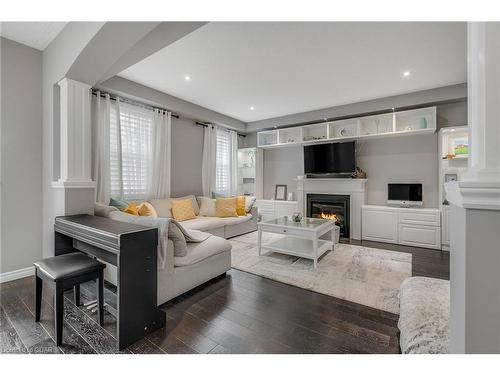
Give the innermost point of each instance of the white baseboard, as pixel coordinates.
(17, 274)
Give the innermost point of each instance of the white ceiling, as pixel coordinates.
(286, 68)
(34, 34)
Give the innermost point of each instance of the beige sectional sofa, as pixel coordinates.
(203, 261)
(225, 227)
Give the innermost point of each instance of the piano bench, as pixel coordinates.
(62, 273)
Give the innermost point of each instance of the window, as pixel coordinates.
(130, 173)
(222, 163)
(226, 162)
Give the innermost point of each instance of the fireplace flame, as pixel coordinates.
(328, 216)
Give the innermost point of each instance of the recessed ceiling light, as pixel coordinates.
(252, 108)
(406, 74)
(187, 78)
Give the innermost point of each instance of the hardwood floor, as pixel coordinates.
(239, 313)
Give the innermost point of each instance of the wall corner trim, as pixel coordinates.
(16, 274)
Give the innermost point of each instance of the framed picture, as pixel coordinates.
(450, 177)
(280, 193)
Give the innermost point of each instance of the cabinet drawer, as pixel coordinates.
(430, 218)
(420, 235)
(288, 231)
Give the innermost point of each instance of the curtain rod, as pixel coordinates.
(131, 101)
(199, 123)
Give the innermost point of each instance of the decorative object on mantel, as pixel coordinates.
(297, 217)
(359, 173)
(280, 192)
(290, 196)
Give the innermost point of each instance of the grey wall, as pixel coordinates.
(21, 155)
(403, 159)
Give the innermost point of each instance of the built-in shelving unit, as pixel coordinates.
(250, 167)
(415, 121)
(453, 154)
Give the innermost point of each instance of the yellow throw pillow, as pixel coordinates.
(240, 206)
(147, 209)
(182, 209)
(132, 209)
(225, 207)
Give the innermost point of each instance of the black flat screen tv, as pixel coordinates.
(330, 158)
(404, 194)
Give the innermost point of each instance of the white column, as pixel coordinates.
(475, 210)
(75, 133)
(484, 101)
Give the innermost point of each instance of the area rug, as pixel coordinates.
(359, 274)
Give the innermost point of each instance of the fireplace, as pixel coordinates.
(330, 206)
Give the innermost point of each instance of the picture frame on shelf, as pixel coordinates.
(280, 192)
(450, 177)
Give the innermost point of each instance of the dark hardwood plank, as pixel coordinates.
(95, 335)
(10, 342)
(72, 343)
(145, 346)
(34, 337)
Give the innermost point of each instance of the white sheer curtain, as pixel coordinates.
(162, 128)
(131, 150)
(101, 117)
(208, 162)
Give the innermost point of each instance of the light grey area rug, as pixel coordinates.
(364, 275)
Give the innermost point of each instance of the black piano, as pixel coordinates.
(133, 250)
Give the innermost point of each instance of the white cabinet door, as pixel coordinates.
(445, 225)
(420, 235)
(284, 208)
(379, 224)
(266, 209)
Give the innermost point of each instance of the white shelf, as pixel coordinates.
(395, 124)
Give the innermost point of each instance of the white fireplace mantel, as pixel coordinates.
(355, 188)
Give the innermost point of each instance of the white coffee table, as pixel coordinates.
(300, 239)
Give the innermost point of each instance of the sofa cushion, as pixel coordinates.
(225, 207)
(147, 209)
(132, 209)
(163, 206)
(197, 252)
(121, 205)
(196, 207)
(235, 220)
(103, 210)
(249, 202)
(203, 223)
(182, 209)
(207, 206)
(240, 205)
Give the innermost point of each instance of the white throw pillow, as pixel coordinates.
(249, 201)
(207, 206)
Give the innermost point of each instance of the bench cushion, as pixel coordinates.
(424, 315)
(67, 266)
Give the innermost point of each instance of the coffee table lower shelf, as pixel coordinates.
(300, 247)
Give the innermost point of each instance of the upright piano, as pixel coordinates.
(133, 250)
